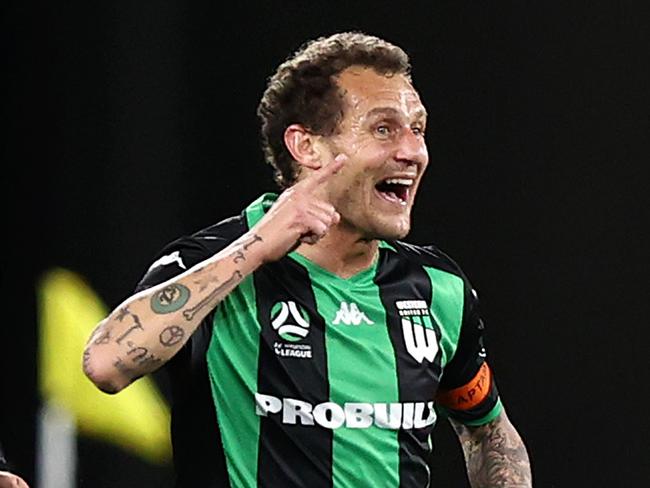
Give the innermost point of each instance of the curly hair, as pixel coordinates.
(303, 91)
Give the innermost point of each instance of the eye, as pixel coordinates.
(417, 130)
(382, 130)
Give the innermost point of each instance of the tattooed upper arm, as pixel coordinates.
(495, 454)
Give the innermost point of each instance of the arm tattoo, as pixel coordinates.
(99, 337)
(215, 294)
(123, 313)
(254, 238)
(240, 254)
(140, 355)
(172, 335)
(495, 455)
(170, 299)
(136, 325)
(203, 283)
(103, 338)
(122, 368)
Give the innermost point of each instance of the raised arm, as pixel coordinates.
(150, 327)
(495, 454)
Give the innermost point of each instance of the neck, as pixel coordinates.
(342, 253)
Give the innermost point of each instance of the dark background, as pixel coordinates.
(131, 123)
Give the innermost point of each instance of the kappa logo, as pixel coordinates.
(350, 314)
(174, 257)
(417, 327)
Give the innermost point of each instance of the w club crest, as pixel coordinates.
(417, 326)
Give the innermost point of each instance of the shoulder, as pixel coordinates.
(186, 251)
(202, 244)
(219, 235)
(428, 255)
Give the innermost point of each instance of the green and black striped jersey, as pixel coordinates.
(300, 378)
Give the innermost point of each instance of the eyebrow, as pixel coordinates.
(421, 112)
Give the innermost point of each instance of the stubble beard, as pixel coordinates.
(380, 227)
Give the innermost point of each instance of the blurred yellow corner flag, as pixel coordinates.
(136, 419)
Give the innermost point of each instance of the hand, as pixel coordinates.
(301, 213)
(9, 480)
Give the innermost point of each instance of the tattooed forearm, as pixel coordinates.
(495, 455)
(215, 295)
(152, 325)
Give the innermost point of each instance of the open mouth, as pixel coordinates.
(395, 190)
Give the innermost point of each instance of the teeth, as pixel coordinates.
(399, 181)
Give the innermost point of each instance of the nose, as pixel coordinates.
(411, 148)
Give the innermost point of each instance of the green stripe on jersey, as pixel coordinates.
(232, 364)
(447, 295)
(361, 368)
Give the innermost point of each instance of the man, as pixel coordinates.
(306, 345)
(7, 478)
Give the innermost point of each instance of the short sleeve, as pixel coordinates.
(468, 392)
(174, 259)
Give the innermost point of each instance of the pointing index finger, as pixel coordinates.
(323, 174)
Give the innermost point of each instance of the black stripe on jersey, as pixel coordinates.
(468, 357)
(291, 455)
(400, 279)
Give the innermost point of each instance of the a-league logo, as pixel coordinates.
(290, 321)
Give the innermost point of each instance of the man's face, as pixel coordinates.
(382, 132)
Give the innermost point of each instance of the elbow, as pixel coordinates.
(99, 369)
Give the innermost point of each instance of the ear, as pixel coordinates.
(303, 146)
